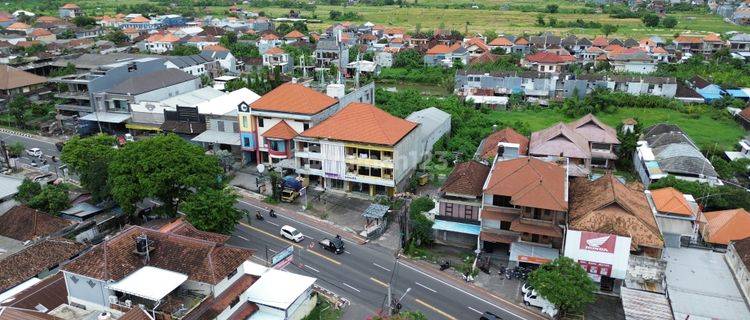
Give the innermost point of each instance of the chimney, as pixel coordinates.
(508, 150)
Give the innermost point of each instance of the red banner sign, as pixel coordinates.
(603, 269)
(598, 242)
(530, 259)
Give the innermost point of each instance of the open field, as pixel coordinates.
(705, 131)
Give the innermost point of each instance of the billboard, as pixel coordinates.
(600, 254)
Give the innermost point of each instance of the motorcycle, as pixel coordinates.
(272, 214)
(258, 216)
(445, 265)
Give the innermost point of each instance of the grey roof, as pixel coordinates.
(93, 60)
(326, 44)
(630, 42)
(668, 138)
(634, 56)
(151, 81)
(661, 128)
(676, 153)
(213, 55)
(584, 42)
(9, 186)
(740, 37)
(570, 40)
(430, 118)
(192, 98)
(616, 41)
(187, 61)
(375, 211)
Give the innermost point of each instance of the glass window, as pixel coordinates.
(260, 122)
(220, 125)
(244, 121)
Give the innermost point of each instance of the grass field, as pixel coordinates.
(705, 131)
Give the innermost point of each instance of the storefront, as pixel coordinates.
(603, 256)
(531, 255)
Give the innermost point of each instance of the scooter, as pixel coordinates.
(445, 265)
(272, 213)
(258, 216)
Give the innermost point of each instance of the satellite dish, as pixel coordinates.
(261, 168)
(150, 107)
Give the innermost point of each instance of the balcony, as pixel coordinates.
(74, 107)
(78, 95)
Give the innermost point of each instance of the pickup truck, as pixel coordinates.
(334, 245)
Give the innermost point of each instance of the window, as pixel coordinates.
(246, 141)
(260, 122)
(231, 274)
(501, 201)
(235, 127)
(244, 121)
(234, 302)
(449, 209)
(220, 125)
(305, 126)
(505, 225)
(468, 212)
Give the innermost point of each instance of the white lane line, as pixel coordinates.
(464, 292)
(311, 268)
(309, 237)
(381, 267)
(273, 224)
(475, 310)
(426, 287)
(350, 287)
(347, 252)
(243, 238)
(272, 250)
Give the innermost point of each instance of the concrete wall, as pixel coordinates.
(739, 270)
(406, 156)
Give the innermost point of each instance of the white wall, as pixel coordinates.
(406, 155)
(168, 92)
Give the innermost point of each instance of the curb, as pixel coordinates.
(29, 135)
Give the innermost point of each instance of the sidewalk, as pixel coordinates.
(51, 140)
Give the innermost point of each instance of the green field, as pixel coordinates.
(707, 132)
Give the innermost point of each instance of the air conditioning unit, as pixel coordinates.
(128, 303)
(112, 299)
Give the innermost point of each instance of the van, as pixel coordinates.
(532, 298)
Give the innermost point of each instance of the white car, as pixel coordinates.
(526, 287)
(34, 152)
(291, 233)
(532, 298)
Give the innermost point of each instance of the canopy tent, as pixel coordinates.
(150, 283)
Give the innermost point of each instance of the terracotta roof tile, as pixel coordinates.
(467, 178)
(521, 42)
(23, 223)
(727, 225)
(70, 6)
(600, 41)
(203, 261)
(40, 32)
(669, 200)
(270, 36)
(489, 145)
(294, 34)
(558, 140)
(712, 37)
(743, 251)
(363, 123)
(215, 47)
(50, 293)
(594, 130)
(549, 57)
(274, 50)
(10, 313)
(18, 26)
(687, 39)
(139, 19)
(551, 230)
(136, 313)
(500, 42)
(606, 205)
(11, 78)
(183, 228)
(281, 130)
(294, 98)
(27, 263)
(529, 182)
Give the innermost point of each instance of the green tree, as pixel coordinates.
(52, 199)
(669, 22)
(409, 58)
(565, 284)
(650, 20)
(421, 226)
(84, 21)
(540, 20)
(27, 191)
(17, 108)
(184, 50)
(212, 210)
(228, 39)
(608, 29)
(118, 37)
(334, 15)
(628, 143)
(552, 8)
(90, 158)
(16, 149)
(166, 168)
(244, 50)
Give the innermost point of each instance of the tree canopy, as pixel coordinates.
(565, 284)
(212, 210)
(184, 50)
(90, 158)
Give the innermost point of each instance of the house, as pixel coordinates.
(633, 60)
(502, 43)
(268, 41)
(138, 22)
(23, 223)
(222, 126)
(330, 50)
(15, 82)
(666, 150)
(688, 44)
(42, 35)
(8, 313)
(712, 43)
(148, 116)
(446, 56)
(46, 294)
(434, 124)
(545, 61)
(725, 226)
(489, 146)
(740, 42)
(711, 92)
(195, 64)
(226, 59)
(738, 259)
(476, 47)
(276, 57)
(209, 43)
(678, 215)
(741, 15)
(160, 43)
(19, 26)
(295, 36)
(294, 302)
(360, 149)
(607, 223)
(744, 149)
(524, 202)
(457, 221)
(69, 11)
(36, 262)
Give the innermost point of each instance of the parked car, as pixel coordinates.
(34, 152)
(489, 316)
(334, 245)
(532, 298)
(526, 287)
(291, 233)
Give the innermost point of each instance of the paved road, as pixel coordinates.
(47, 145)
(363, 272)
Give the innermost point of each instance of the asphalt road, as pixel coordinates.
(362, 273)
(46, 145)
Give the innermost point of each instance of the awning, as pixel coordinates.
(150, 283)
(541, 229)
(526, 252)
(211, 136)
(457, 227)
(497, 238)
(107, 117)
(137, 126)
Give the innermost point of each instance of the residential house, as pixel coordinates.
(295, 36)
(524, 204)
(712, 43)
(42, 35)
(222, 126)
(46, 294)
(738, 259)
(360, 149)
(210, 43)
(226, 59)
(740, 42)
(276, 57)
(89, 32)
(23, 223)
(446, 56)
(330, 50)
(138, 22)
(35, 263)
(633, 60)
(268, 41)
(434, 124)
(602, 139)
(69, 11)
(161, 43)
(15, 82)
(20, 27)
(501, 42)
(666, 150)
(547, 62)
(688, 44)
(196, 64)
(606, 207)
(743, 153)
(677, 214)
(490, 145)
(476, 47)
(457, 221)
(741, 15)
(725, 226)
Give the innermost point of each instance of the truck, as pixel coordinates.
(290, 188)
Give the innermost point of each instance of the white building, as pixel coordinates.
(433, 125)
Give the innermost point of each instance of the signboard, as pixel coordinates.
(283, 254)
(602, 269)
(530, 259)
(599, 242)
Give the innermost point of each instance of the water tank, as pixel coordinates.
(104, 316)
(336, 90)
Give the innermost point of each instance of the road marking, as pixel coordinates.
(381, 267)
(324, 257)
(273, 224)
(309, 237)
(441, 312)
(311, 268)
(347, 252)
(472, 295)
(426, 287)
(272, 250)
(475, 310)
(269, 234)
(350, 287)
(379, 282)
(243, 238)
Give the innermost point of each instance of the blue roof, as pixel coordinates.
(458, 227)
(711, 92)
(737, 93)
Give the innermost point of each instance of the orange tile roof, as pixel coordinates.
(669, 200)
(712, 37)
(477, 42)
(660, 50)
(549, 57)
(18, 26)
(438, 49)
(294, 34)
(489, 145)
(688, 39)
(522, 41)
(215, 47)
(727, 225)
(501, 42)
(130, 30)
(394, 31)
(529, 182)
(614, 48)
(70, 6)
(293, 98)
(270, 36)
(600, 41)
(281, 130)
(48, 19)
(363, 123)
(139, 19)
(40, 32)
